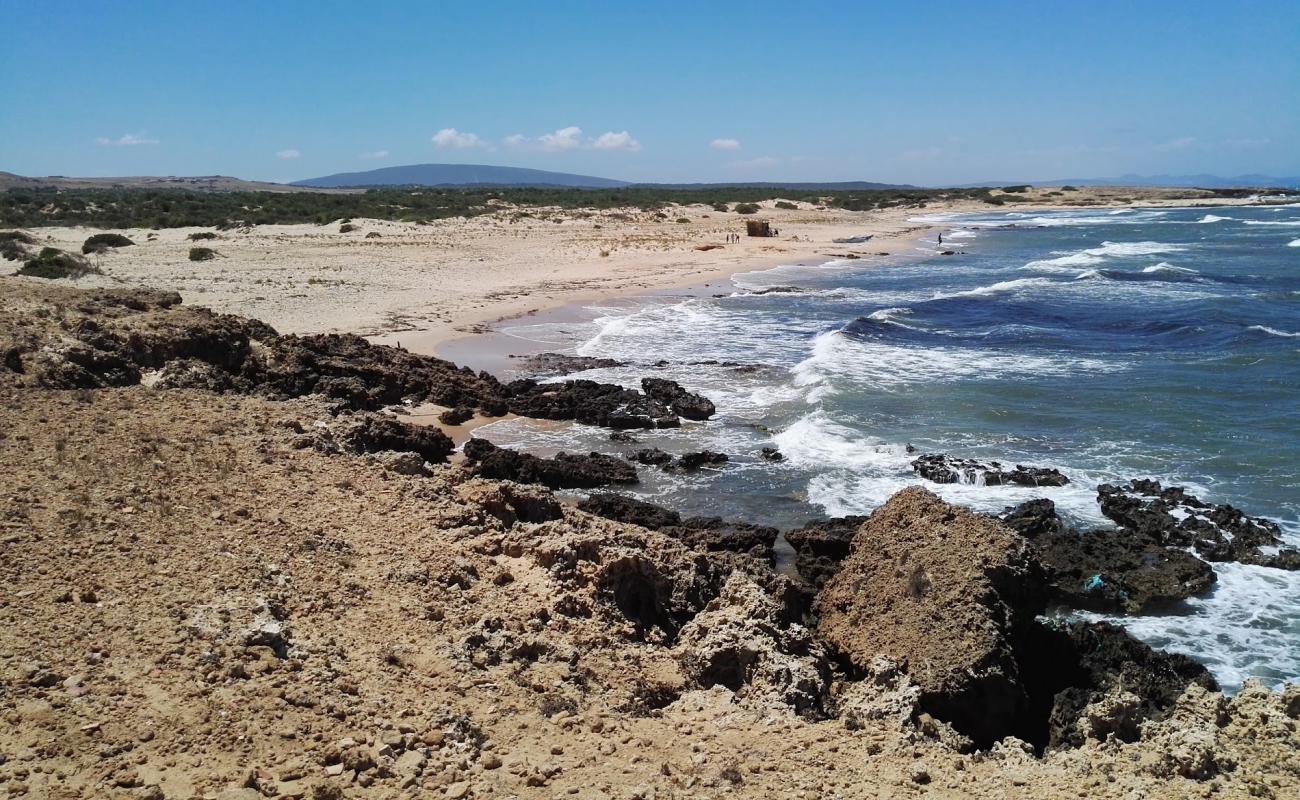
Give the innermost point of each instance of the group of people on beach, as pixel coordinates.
(733, 238)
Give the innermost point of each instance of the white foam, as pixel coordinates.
(1096, 255)
(1288, 222)
(1238, 631)
(1166, 268)
(783, 274)
(1273, 331)
(1208, 218)
(836, 357)
(1293, 243)
(997, 288)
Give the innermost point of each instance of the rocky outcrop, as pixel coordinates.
(701, 533)
(456, 416)
(1103, 682)
(591, 403)
(1108, 570)
(947, 469)
(1171, 516)
(951, 594)
(651, 456)
(821, 545)
(554, 364)
(630, 510)
(742, 641)
(564, 471)
(684, 403)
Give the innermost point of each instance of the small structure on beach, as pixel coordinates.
(758, 227)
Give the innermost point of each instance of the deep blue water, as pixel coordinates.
(1110, 344)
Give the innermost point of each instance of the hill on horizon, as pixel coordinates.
(459, 175)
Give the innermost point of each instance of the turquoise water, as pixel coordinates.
(1111, 344)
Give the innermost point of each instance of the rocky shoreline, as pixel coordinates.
(235, 574)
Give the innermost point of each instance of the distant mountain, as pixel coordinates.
(459, 175)
(1174, 181)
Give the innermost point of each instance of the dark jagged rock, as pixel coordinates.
(565, 471)
(373, 434)
(551, 364)
(684, 403)
(821, 545)
(1093, 680)
(1107, 570)
(703, 533)
(772, 454)
(456, 416)
(651, 456)
(591, 403)
(704, 458)
(946, 469)
(715, 533)
(624, 437)
(1170, 516)
(1034, 518)
(628, 509)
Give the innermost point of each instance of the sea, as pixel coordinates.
(1110, 343)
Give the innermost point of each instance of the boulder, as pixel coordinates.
(704, 458)
(553, 364)
(651, 456)
(591, 403)
(456, 416)
(949, 593)
(717, 534)
(373, 434)
(686, 404)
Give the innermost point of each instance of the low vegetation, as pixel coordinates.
(101, 242)
(52, 263)
(174, 208)
(14, 245)
(202, 254)
(787, 205)
(201, 236)
(746, 208)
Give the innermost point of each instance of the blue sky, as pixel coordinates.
(917, 92)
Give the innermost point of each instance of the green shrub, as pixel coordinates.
(746, 208)
(13, 245)
(721, 207)
(102, 241)
(52, 263)
(1016, 189)
(995, 201)
(202, 254)
(347, 227)
(788, 206)
(201, 236)
(22, 237)
(683, 220)
(1069, 189)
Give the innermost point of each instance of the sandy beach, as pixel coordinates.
(424, 285)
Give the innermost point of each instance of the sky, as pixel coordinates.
(930, 93)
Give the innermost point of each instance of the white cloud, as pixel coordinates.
(450, 137)
(725, 144)
(286, 155)
(516, 140)
(126, 140)
(762, 162)
(622, 140)
(374, 154)
(569, 138)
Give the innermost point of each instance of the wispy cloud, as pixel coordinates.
(126, 140)
(288, 155)
(569, 138)
(725, 144)
(374, 155)
(450, 137)
(762, 162)
(620, 140)
(1181, 143)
